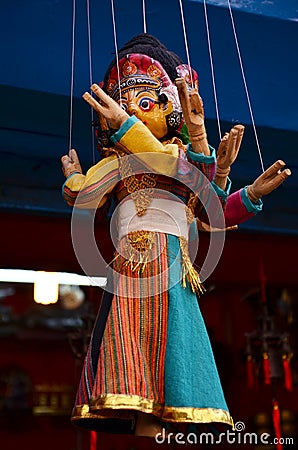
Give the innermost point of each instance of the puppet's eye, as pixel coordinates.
(146, 104)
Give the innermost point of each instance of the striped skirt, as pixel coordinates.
(155, 355)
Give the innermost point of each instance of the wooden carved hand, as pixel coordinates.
(193, 113)
(227, 152)
(106, 107)
(71, 163)
(273, 177)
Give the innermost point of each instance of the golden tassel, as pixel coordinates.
(136, 252)
(189, 273)
(190, 207)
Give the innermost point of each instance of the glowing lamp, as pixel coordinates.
(46, 287)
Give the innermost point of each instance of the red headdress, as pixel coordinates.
(136, 70)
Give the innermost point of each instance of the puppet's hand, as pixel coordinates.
(71, 163)
(193, 113)
(227, 152)
(229, 147)
(268, 181)
(106, 107)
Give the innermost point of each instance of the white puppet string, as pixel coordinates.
(90, 75)
(116, 49)
(144, 16)
(188, 62)
(185, 42)
(213, 74)
(212, 70)
(72, 72)
(245, 86)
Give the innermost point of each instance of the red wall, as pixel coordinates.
(230, 308)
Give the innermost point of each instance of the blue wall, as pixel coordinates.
(35, 78)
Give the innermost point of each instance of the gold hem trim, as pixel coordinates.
(104, 407)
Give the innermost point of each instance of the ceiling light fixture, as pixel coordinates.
(29, 276)
(46, 287)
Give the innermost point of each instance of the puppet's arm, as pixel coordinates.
(200, 153)
(133, 137)
(268, 181)
(246, 203)
(71, 164)
(193, 113)
(227, 152)
(88, 191)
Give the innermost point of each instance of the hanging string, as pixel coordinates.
(72, 72)
(144, 17)
(212, 69)
(245, 86)
(116, 49)
(185, 42)
(90, 75)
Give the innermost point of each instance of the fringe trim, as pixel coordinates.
(137, 255)
(189, 273)
(190, 207)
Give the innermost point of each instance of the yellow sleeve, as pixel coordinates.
(136, 138)
(90, 191)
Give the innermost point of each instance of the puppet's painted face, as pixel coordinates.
(146, 106)
(139, 79)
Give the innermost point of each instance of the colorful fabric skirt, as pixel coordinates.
(155, 355)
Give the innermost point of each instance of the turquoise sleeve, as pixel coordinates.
(123, 129)
(223, 193)
(200, 157)
(249, 205)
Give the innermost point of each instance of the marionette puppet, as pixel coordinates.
(154, 365)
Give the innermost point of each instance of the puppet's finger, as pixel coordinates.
(65, 160)
(73, 155)
(273, 170)
(270, 184)
(183, 95)
(281, 177)
(70, 163)
(101, 94)
(114, 114)
(92, 102)
(266, 184)
(191, 104)
(240, 133)
(235, 139)
(222, 148)
(232, 143)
